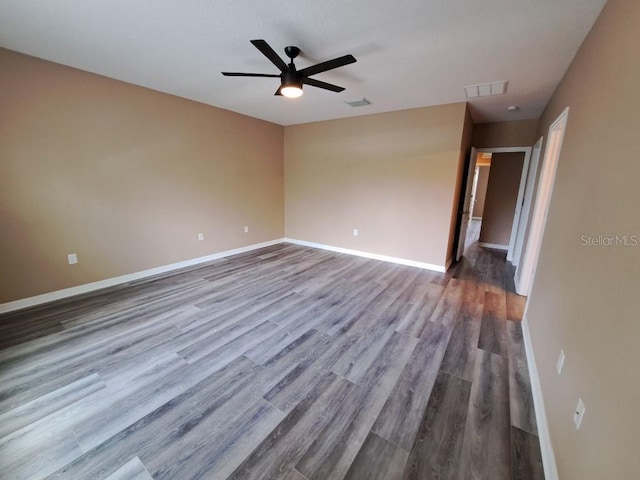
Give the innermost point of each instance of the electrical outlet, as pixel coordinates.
(579, 413)
(201, 236)
(355, 232)
(72, 258)
(246, 229)
(560, 362)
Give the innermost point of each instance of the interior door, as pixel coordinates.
(519, 204)
(466, 204)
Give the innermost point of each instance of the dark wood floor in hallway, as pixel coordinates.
(286, 363)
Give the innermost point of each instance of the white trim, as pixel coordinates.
(476, 218)
(518, 210)
(532, 176)
(373, 256)
(110, 282)
(465, 208)
(546, 448)
(526, 269)
(495, 246)
(515, 282)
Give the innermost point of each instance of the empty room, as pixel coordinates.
(242, 240)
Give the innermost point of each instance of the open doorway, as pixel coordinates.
(493, 200)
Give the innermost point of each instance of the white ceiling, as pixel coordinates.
(411, 53)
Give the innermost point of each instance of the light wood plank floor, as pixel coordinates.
(285, 363)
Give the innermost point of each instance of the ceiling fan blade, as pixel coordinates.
(317, 83)
(240, 74)
(268, 52)
(278, 92)
(328, 65)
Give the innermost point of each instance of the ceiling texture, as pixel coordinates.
(411, 53)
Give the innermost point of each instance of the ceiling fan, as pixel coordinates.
(291, 79)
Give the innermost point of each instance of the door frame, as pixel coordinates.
(528, 199)
(526, 271)
(466, 202)
(521, 190)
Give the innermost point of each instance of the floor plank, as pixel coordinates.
(436, 451)
(378, 459)
(521, 406)
(335, 448)
(486, 449)
(400, 418)
(132, 470)
(526, 459)
(282, 447)
(493, 328)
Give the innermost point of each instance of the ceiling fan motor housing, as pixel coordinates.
(291, 51)
(291, 78)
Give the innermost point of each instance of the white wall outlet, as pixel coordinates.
(355, 232)
(560, 362)
(72, 258)
(246, 229)
(579, 413)
(201, 236)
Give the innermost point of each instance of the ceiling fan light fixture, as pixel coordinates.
(291, 91)
(291, 85)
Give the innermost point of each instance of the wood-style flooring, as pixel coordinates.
(286, 363)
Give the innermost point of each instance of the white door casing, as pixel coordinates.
(466, 204)
(526, 202)
(526, 270)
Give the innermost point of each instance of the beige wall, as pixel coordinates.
(519, 133)
(122, 176)
(481, 191)
(393, 176)
(463, 162)
(585, 298)
(501, 198)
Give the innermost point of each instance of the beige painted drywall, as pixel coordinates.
(585, 298)
(392, 176)
(122, 176)
(518, 133)
(463, 162)
(481, 191)
(501, 197)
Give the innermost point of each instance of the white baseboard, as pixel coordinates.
(110, 282)
(495, 246)
(546, 448)
(374, 256)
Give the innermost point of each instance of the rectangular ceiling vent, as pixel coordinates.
(361, 102)
(486, 89)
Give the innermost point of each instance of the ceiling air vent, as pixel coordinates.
(361, 102)
(486, 89)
